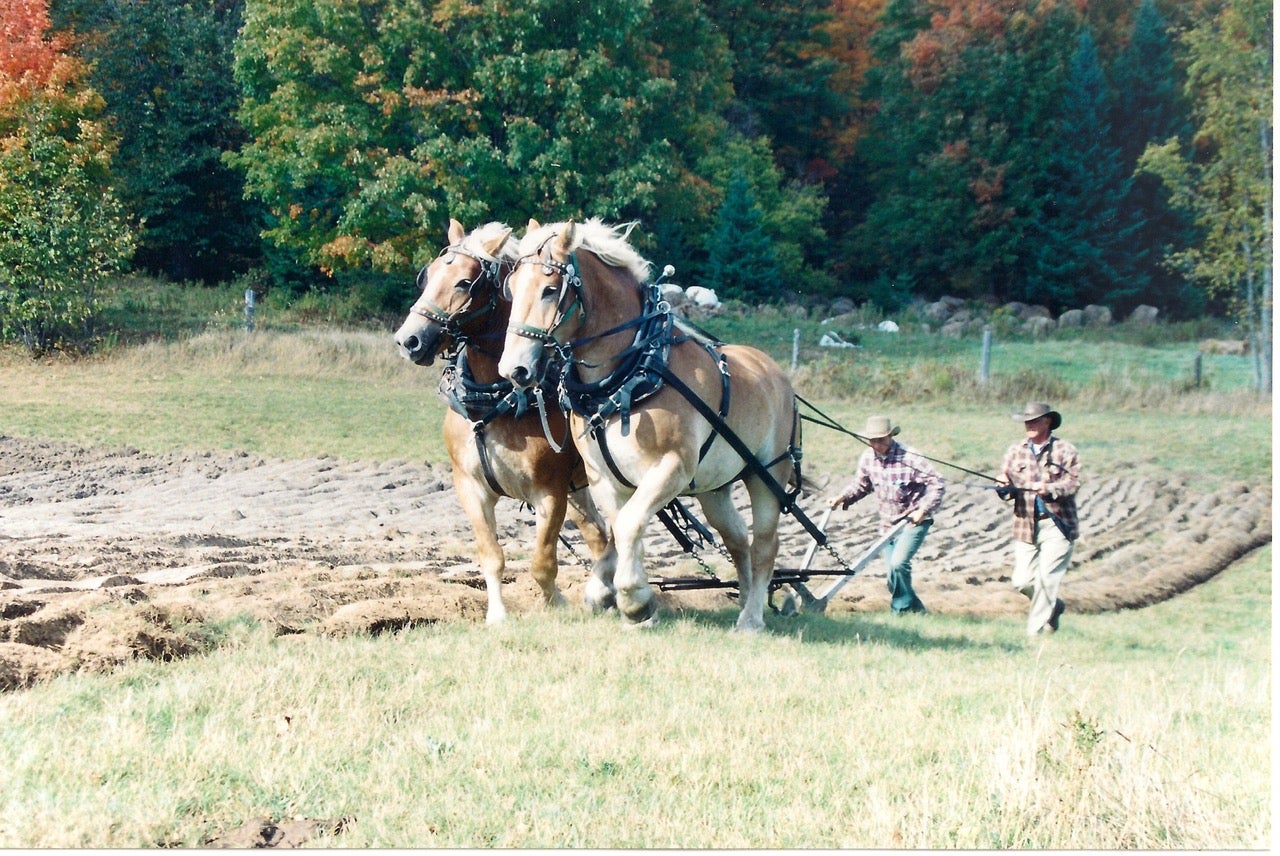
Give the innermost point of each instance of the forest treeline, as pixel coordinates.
(1056, 152)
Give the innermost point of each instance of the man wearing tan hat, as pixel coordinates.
(906, 485)
(1041, 474)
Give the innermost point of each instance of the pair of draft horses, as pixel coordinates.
(562, 334)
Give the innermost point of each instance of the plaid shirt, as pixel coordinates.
(1058, 468)
(902, 481)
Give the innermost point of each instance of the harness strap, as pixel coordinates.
(784, 497)
(485, 466)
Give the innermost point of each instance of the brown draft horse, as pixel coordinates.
(579, 293)
(494, 433)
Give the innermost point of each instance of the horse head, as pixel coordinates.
(546, 301)
(569, 283)
(460, 291)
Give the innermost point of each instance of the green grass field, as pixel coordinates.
(1144, 729)
(1136, 730)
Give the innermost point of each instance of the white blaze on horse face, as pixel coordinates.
(535, 301)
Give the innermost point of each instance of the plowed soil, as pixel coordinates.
(108, 554)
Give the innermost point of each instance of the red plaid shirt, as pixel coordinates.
(1058, 468)
(902, 481)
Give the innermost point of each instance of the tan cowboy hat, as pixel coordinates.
(1036, 409)
(877, 427)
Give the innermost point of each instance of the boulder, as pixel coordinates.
(1071, 318)
(1037, 325)
(703, 296)
(842, 306)
(1144, 315)
(937, 312)
(1097, 316)
(1230, 347)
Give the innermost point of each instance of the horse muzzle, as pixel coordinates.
(419, 345)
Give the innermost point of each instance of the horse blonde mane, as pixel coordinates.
(474, 242)
(609, 243)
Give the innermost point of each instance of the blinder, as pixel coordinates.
(453, 321)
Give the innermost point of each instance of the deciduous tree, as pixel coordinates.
(1226, 183)
(62, 228)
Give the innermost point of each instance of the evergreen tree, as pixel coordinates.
(1083, 252)
(741, 263)
(782, 76)
(1150, 108)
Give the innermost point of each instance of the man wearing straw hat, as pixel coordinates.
(1041, 474)
(906, 485)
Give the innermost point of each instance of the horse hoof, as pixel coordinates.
(644, 616)
(599, 598)
(749, 625)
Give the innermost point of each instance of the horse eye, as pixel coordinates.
(464, 284)
(550, 291)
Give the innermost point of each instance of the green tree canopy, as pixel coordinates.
(373, 122)
(62, 228)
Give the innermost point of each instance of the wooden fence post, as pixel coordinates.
(250, 300)
(984, 369)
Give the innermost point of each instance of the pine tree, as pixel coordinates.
(1084, 254)
(742, 264)
(1149, 108)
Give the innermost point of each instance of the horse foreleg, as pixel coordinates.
(543, 567)
(586, 515)
(478, 504)
(636, 600)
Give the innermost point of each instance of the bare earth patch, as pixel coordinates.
(108, 555)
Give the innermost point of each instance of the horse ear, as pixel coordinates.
(456, 232)
(494, 245)
(564, 241)
(534, 224)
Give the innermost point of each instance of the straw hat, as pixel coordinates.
(879, 426)
(1036, 409)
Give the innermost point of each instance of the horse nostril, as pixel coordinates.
(520, 376)
(411, 344)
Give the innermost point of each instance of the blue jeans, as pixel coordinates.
(898, 552)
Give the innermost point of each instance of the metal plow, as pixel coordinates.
(801, 599)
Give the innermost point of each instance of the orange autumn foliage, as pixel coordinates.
(31, 57)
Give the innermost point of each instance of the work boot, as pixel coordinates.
(1058, 609)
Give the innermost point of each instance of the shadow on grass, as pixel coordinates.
(908, 632)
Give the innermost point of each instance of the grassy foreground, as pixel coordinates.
(1145, 729)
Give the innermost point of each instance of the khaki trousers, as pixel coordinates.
(1038, 570)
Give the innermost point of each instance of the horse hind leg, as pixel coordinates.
(725, 519)
(754, 592)
(582, 510)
